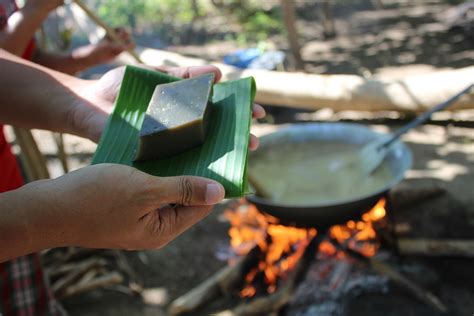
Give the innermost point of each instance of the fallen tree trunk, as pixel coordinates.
(339, 92)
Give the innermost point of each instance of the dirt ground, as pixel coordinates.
(414, 37)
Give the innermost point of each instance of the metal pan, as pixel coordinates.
(337, 212)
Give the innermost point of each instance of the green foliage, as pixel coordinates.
(259, 25)
(172, 19)
(117, 12)
(144, 13)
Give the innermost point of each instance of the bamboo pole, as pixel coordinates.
(33, 161)
(109, 31)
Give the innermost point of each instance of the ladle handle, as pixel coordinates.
(425, 116)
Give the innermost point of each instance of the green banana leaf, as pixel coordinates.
(223, 156)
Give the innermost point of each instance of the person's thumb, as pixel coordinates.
(188, 190)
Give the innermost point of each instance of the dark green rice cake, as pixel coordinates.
(177, 118)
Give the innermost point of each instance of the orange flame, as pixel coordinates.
(283, 246)
(359, 234)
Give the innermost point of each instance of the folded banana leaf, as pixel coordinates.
(222, 157)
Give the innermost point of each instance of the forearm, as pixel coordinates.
(27, 223)
(21, 28)
(36, 97)
(67, 63)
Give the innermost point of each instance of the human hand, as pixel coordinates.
(44, 6)
(106, 50)
(90, 117)
(115, 206)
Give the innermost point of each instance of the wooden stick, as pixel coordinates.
(220, 283)
(436, 248)
(76, 266)
(102, 281)
(110, 32)
(59, 140)
(77, 272)
(33, 161)
(125, 266)
(88, 276)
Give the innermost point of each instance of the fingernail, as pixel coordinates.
(214, 193)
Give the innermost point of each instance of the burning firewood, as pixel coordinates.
(276, 301)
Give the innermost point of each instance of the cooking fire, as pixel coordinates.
(281, 246)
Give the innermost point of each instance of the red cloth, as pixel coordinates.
(11, 177)
(24, 290)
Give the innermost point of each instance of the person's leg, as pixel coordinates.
(24, 289)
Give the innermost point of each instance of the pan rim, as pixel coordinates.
(302, 126)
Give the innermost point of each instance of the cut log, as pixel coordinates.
(414, 93)
(436, 248)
